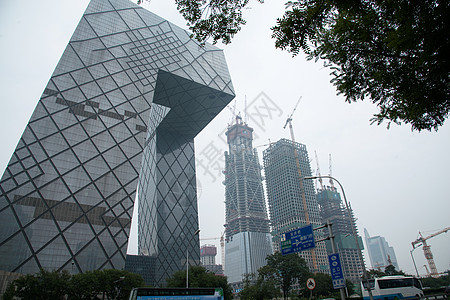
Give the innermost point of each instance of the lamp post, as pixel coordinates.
(414, 262)
(116, 287)
(365, 277)
(187, 258)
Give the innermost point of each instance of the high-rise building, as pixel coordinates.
(332, 210)
(117, 118)
(208, 259)
(380, 253)
(292, 200)
(208, 254)
(247, 225)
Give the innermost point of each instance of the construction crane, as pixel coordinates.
(265, 145)
(318, 170)
(331, 180)
(426, 268)
(422, 241)
(289, 120)
(302, 189)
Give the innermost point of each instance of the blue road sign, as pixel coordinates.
(297, 240)
(336, 271)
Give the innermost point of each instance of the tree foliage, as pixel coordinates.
(388, 271)
(111, 284)
(258, 288)
(199, 277)
(394, 52)
(284, 271)
(434, 283)
(42, 286)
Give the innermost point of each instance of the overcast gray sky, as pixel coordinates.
(395, 179)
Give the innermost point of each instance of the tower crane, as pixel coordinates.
(422, 241)
(289, 121)
(331, 180)
(318, 170)
(302, 189)
(426, 268)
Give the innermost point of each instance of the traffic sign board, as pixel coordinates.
(337, 275)
(297, 240)
(310, 283)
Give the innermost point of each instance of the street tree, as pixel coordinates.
(391, 270)
(41, 286)
(388, 271)
(285, 270)
(259, 288)
(394, 52)
(200, 277)
(116, 284)
(111, 284)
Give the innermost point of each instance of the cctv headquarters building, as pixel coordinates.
(116, 122)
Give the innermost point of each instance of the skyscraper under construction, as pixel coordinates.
(247, 224)
(292, 200)
(333, 211)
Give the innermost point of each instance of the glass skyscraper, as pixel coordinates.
(247, 233)
(380, 253)
(117, 118)
(292, 200)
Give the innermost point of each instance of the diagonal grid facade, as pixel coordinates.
(116, 120)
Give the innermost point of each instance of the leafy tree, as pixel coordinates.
(41, 286)
(199, 277)
(350, 287)
(374, 273)
(284, 271)
(394, 52)
(116, 284)
(113, 284)
(84, 286)
(256, 287)
(390, 271)
(435, 283)
(324, 285)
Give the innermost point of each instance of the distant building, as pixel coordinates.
(247, 224)
(208, 259)
(380, 253)
(288, 195)
(333, 210)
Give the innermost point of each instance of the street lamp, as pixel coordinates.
(117, 287)
(365, 277)
(187, 257)
(414, 262)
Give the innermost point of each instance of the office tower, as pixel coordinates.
(380, 253)
(208, 254)
(117, 118)
(208, 259)
(292, 200)
(247, 225)
(332, 210)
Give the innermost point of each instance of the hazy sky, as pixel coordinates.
(395, 179)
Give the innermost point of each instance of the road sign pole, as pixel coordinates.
(333, 248)
(311, 285)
